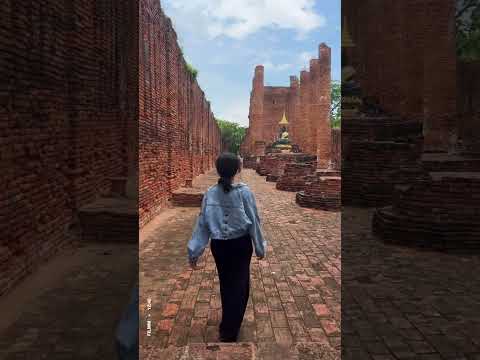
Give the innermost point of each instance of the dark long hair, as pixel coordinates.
(227, 165)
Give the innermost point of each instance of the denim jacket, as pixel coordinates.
(227, 216)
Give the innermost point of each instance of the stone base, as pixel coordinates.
(441, 211)
(294, 176)
(260, 167)
(187, 197)
(322, 191)
(273, 164)
(370, 170)
(374, 148)
(250, 162)
(110, 220)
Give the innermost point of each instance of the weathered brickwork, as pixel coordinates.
(412, 75)
(336, 156)
(468, 104)
(374, 150)
(306, 104)
(179, 138)
(430, 183)
(67, 104)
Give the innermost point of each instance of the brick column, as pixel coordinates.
(322, 108)
(440, 75)
(303, 125)
(256, 106)
(292, 109)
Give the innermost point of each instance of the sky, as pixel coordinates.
(225, 39)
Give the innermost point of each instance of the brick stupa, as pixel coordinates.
(322, 188)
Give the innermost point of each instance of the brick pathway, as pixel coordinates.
(294, 307)
(405, 303)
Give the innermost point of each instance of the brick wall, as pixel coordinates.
(411, 69)
(179, 138)
(336, 149)
(275, 102)
(67, 98)
(469, 104)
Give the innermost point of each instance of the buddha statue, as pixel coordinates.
(283, 142)
(351, 92)
(284, 135)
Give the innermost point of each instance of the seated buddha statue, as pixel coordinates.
(283, 137)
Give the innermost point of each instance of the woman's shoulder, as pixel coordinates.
(243, 188)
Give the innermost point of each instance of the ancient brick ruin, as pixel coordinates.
(299, 102)
(68, 108)
(419, 145)
(306, 107)
(75, 96)
(179, 137)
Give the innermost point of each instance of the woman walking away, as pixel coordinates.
(229, 217)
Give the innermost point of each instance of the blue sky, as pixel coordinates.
(226, 39)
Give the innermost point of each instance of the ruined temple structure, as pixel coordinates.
(429, 133)
(323, 188)
(289, 134)
(297, 102)
(179, 137)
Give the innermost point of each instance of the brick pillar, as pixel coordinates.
(440, 75)
(315, 118)
(414, 54)
(292, 109)
(303, 125)
(256, 106)
(322, 109)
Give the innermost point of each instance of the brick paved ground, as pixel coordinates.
(294, 307)
(69, 309)
(405, 303)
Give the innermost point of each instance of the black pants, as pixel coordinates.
(232, 258)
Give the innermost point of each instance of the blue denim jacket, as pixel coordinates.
(227, 216)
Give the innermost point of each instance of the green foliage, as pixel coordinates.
(191, 70)
(468, 30)
(232, 134)
(336, 96)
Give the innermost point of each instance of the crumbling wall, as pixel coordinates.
(336, 149)
(410, 70)
(179, 137)
(67, 98)
(469, 104)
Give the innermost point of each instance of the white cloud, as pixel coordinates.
(238, 19)
(236, 111)
(276, 67)
(304, 59)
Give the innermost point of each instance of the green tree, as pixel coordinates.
(336, 97)
(232, 134)
(192, 71)
(468, 30)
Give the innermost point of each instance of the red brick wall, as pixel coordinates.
(411, 69)
(336, 149)
(274, 104)
(179, 137)
(469, 104)
(68, 80)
